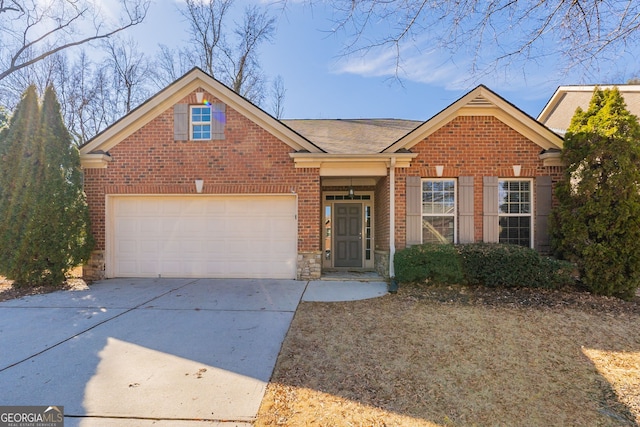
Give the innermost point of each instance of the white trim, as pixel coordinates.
(367, 264)
(109, 256)
(392, 216)
(561, 91)
(532, 204)
(194, 80)
(481, 101)
(455, 205)
(193, 123)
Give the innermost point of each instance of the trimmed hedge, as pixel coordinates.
(438, 263)
(488, 264)
(502, 265)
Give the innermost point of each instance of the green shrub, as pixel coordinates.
(595, 223)
(436, 263)
(501, 265)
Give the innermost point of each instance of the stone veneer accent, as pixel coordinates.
(309, 265)
(382, 263)
(94, 268)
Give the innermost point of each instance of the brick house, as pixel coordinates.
(199, 182)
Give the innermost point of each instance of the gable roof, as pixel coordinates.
(95, 149)
(482, 101)
(559, 111)
(353, 136)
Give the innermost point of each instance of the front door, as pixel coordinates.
(348, 235)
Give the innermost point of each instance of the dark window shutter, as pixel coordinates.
(465, 195)
(218, 120)
(181, 122)
(490, 230)
(544, 195)
(414, 210)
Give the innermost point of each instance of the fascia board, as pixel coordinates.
(499, 108)
(559, 94)
(172, 94)
(313, 160)
(431, 125)
(94, 161)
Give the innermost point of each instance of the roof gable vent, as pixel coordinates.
(480, 101)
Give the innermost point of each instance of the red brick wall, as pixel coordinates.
(381, 214)
(475, 146)
(248, 160)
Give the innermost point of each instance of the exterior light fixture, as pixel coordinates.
(351, 194)
(516, 170)
(199, 184)
(439, 170)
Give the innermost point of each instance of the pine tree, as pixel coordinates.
(54, 232)
(597, 221)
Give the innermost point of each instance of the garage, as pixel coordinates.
(202, 236)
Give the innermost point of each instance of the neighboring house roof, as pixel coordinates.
(558, 112)
(94, 151)
(353, 136)
(478, 102)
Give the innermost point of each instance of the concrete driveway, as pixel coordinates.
(142, 352)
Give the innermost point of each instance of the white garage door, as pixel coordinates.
(202, 236)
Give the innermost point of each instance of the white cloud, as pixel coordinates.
(440, 68)
(408, 64)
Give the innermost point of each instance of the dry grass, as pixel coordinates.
(8, 291)
(457, 356)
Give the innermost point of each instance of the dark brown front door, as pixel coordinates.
(348, 235)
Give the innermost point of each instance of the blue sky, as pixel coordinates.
(320, 83)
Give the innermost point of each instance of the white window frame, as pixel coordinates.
(532, 205)
(193, 123)
(454, 214)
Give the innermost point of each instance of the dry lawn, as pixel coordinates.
(8, 291)
(456, 356)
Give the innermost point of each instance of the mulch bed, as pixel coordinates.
(570, 297)
(9, 292)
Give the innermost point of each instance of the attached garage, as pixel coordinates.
(202, 236)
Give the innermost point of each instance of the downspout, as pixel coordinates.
(392, 217)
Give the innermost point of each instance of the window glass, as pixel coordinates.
(201, 122)
(438, 211)
(514, 212)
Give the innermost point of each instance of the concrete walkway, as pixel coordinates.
(162, 352)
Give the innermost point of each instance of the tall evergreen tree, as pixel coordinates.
(597, 221)
(54, 232)
(17, 180)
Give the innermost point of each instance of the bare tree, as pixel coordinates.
(207, 20)
(278, 94)
(170, 64)
(580, 32)
(242, 69)
(231, 57)
(131, 70)
(32, 30)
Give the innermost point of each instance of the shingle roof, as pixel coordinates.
(352, 136)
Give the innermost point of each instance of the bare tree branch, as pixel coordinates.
(37, 30)
(230, 57)
(580, 32)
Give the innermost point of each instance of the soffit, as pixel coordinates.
(194, 80)
(560, 109)
(481, 101)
